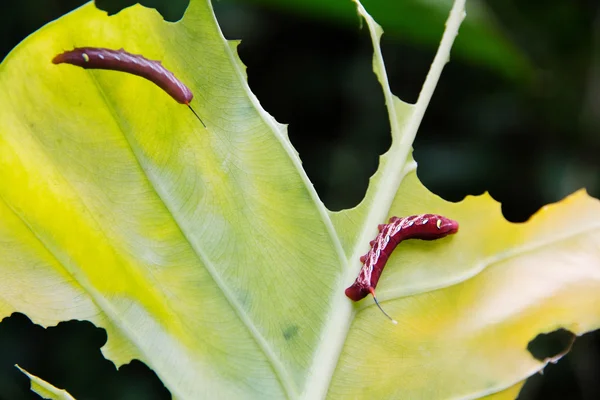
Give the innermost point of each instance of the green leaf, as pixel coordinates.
(207, 254)
(45, 389)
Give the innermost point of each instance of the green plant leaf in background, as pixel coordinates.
(483, 41)
(207, 254)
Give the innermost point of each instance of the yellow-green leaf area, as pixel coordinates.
(535, 277)
(45, 389)
(206, 253)
(469, 304)
(186, 244)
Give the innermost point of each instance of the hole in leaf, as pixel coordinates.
(406, 65)
(68, 356)
(474, 138)
(317, 77)
(137, 378)
(171, 10)
(550, 345)
(573, 377)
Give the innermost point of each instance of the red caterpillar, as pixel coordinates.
(424, 226)
(120, 60)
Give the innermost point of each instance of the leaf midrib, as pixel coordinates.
(293, 155)
(402, 139)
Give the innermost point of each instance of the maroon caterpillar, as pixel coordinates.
(120, 60)
(424, 227)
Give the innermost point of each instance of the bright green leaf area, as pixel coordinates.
(207, 254)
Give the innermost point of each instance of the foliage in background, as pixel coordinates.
(532, 149)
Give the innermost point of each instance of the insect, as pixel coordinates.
(121, 60)
(423, 226)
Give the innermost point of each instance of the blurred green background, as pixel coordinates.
(516, 113)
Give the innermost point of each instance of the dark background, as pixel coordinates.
(527, 131)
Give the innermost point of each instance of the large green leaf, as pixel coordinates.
(207, 254)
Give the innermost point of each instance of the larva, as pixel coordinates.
(121, 60)
(423, 226)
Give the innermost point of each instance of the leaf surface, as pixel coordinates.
(207, 254)
(45, 389)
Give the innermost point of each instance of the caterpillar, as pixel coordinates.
(423, 226)
(136, 64)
